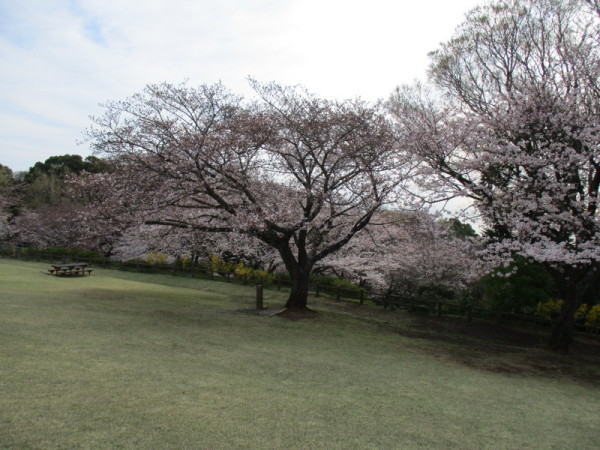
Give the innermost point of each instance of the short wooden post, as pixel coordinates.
(278, 284)
(362, 296)
(259, 297)
(317, 290)
(337, 294)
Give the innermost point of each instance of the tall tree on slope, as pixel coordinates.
(515, 126)
(300, 173)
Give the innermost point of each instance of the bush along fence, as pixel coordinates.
(588, 317)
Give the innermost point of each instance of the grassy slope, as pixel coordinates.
(152, 361)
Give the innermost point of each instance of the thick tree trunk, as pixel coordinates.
(299, 266)
(573, 283)
(563, 329)
(298, 298)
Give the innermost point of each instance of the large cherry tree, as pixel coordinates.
(9, 201)
(5, 215)
(197, 246)
(300, 173)
(402, 252)
(513, 122)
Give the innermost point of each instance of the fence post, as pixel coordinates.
(278, 283)
(362, 296)
(317, 290)
(259, 297)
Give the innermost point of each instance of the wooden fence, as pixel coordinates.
(386, 300)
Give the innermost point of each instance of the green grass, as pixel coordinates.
(149, 361)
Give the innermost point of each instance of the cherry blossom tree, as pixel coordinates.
(299, 173)
(513, 122)
(9, 200)
(48, 226)
(5, 215)
(402, 251)
(198, 246)
(89, 216)
(66, 225)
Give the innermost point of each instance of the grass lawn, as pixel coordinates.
(151, 361)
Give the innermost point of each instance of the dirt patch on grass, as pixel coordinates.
(260, 312)
(298, 314)
(293, 314)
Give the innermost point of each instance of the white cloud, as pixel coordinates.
(63, 57)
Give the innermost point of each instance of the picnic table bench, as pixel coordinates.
(74, 269)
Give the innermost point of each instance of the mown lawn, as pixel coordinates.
(150, 361)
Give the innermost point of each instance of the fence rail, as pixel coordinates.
(361, 296)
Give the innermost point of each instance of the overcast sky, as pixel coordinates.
(61, 58)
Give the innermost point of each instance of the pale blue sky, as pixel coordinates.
(61, 58)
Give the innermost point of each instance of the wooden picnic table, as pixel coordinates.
(73, 269)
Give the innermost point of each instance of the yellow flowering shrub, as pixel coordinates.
(582, 311)
(156, 258)
(549, 309)
(592, 319)
(221, 266)
(243, 272)
(590, 316)
(248, 274)
(240, 270)
(185, 261)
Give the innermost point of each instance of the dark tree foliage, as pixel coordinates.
(44, 183)
(517, 288)
(6, 176)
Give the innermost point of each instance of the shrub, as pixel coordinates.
(550, 309)
(592, 319)
(239, 270)
(135, 263)
(582, 312)
(221, 266)
(333, 281)
(589, 316)
(248, 274)
(156, 258)
(64, 253)
(435, 291)
(184, 262)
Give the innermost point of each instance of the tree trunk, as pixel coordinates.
(564, 328)
(573, 283)
(298, 298)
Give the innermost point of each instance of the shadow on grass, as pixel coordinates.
(484, 345)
